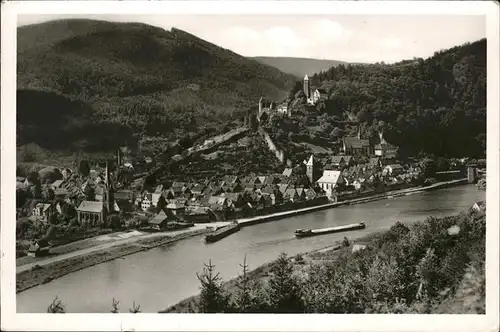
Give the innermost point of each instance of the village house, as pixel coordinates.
(124, 199)
(177, 209)
(199, 214)
(330, 181)
(384, 149)
(375, 163)
(291, 195)
(479, 206)
(284, 109)
(43, 211)
(341, 161)
(392, 170)
(159, 221)
(91, 213)
(147, 201)
(288, 172)
(317, 96)
(56, 184)
(311, 194)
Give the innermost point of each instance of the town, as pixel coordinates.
(69, 204)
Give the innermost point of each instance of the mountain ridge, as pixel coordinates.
(298, 66)
(141, 79)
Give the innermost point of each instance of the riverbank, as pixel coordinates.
(389, 194)
(451, 251)
(43, 271)
(38, 274)
(261, 273)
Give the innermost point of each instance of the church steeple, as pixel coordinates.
(109, 190)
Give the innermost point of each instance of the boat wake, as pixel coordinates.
(272, 242)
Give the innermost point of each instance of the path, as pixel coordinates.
(107, 245)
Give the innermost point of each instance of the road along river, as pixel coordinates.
(160, 277)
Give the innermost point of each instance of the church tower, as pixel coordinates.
(310, 169)
(307, 87)
(109, 191)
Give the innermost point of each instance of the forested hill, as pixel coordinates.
(432, 106)
(298, 66)
(134, 79)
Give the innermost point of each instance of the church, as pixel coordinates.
(94, 213)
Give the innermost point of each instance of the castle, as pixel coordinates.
(313, 97)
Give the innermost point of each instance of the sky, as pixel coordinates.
(352, 38)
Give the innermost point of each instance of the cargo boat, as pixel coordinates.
(220, 233)
(314, 232)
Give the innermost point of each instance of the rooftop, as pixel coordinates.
(90, 206)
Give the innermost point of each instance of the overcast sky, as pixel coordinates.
(353, 38)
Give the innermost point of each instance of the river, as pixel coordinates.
(160, 277)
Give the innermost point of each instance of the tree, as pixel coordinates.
(243, 299)
(50, 194)
(84, 168)
(20, 198)
(135, 309)
(115, 306)
(69, 211)
(161, 204)
(89, 193)
(56, 307)
(212, 297)
(36, 190)
(428, 167)
(337, 133)
(114, 222)
(284, 291)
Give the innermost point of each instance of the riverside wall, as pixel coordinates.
(397, 193)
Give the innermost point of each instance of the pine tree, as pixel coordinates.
(212, 297)
(284, 291)
(162, 203)
(56, 307)
(243, 300)
(135, 309)
(115, 306)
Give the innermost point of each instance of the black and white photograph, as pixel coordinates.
(325, 162)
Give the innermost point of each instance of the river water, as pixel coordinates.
(160, 277)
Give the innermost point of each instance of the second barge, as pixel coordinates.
(313, 232)
(222, 232)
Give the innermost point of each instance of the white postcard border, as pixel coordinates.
(235, 322)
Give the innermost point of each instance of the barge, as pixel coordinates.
(220, 233)
(314, 232)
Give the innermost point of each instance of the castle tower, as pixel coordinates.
(310, 169)
(307, 87)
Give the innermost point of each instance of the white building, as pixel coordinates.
(147, 201)
(329, 181)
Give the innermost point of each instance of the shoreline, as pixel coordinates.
(389, 194)
(261, 272)
(39, 275)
